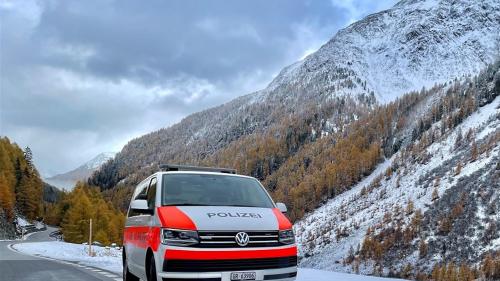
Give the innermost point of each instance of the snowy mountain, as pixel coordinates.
(377, 59)
(97, 161)
(67, 180)
(415, 44)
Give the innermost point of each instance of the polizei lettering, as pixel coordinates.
(235, 215)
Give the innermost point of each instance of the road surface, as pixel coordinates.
(15, 266)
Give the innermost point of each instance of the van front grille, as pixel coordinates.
(227, 239)
(227, 265)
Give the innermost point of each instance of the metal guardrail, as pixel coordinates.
(56, 234)
(30, 228)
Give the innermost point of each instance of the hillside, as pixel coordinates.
(51, 194)
(21, 188)
(413, 44)
(432, 203)
(68, 180)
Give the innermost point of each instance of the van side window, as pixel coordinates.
(142, 193)
(143, 189)
(151, 195)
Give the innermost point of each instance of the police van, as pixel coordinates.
(197, 223)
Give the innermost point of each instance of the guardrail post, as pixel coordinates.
(90, 238)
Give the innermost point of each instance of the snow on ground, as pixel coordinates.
(22, 222)
(108, 259)
(306, 274)
(330, 231)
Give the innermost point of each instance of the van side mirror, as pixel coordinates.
(141, 206)
(282, 207)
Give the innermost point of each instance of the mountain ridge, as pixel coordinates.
(422, 33)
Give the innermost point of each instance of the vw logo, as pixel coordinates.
(242, 239)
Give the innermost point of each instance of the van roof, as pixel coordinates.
(172, 167)
(202, 173)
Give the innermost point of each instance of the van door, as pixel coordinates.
(137, 227)
(147, 222)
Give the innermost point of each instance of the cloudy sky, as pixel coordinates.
(82, 77)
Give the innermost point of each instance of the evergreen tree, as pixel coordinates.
(75, 223)
(6, 198)
(474, 152)
(28, 156)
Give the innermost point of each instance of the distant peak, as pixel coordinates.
(67, 180)
(98, 160)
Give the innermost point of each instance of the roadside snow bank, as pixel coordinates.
(107, 259)
(306, 274)
(110, 259)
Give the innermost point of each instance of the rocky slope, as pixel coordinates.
(415, 44)
(450, 179)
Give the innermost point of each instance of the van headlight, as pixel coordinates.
(175, 237)
(286, 236)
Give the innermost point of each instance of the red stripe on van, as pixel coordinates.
(175, 254)
(137, 236)
(142, 237)
(173, 217)
(283, 222)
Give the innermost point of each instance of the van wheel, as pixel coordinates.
(127, 276)
(151, 269)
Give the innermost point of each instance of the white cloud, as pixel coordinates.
(357, 9)
(218, 29)
(81, 77)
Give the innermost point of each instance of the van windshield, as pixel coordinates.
(213, 190)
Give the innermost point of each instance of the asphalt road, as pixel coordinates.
(15, 266)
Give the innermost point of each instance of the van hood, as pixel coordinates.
(222, 218)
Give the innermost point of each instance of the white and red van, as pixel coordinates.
(194, 223)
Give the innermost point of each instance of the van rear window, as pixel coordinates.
(213, 190)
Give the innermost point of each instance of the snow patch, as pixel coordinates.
(22, 222)
(108, 259)
(306, 274)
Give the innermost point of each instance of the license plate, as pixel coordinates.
(243, 276)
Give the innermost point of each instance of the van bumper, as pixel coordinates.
(279, 274)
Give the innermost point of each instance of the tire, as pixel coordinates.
(151, 269)
(127, 276)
